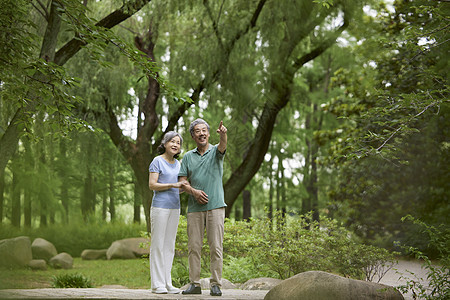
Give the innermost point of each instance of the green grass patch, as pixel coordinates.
(132, 273)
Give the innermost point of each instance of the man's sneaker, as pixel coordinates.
(215, 291)
(192, 289)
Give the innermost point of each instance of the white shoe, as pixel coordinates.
(159, 290)
(173, 290)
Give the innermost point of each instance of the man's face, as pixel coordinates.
(201, 135)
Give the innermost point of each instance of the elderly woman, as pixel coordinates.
(165, 212)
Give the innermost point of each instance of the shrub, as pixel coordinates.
(285, 247)
(280, 248)
(71, 281)
(438, 276)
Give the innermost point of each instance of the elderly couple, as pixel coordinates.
(200, 175)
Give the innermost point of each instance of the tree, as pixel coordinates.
(393, 155)
(44, 84)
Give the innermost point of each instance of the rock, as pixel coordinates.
(128, 248)
(15, 252)
(91, 254)
(263, 283)
(43, 249)
(204, 283)
(62, 261)
(37, 264)
(317, 285)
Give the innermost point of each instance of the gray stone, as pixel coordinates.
(61, 261)
(263, 283)
(37, 264)
(92, 254)
(128, 248)
(318, 285)
(15, 252)
(43, 249)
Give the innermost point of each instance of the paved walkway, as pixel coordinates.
(99, 293)
(392, 278)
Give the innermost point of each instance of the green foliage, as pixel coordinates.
(437, 275)
(391, 148)
(299, 244)
(98, 38)
(284, 247)
(71, 281)
(77, 236)
(242, 269)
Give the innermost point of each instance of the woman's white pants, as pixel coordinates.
(164, 224)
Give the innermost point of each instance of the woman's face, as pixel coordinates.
(173, 146)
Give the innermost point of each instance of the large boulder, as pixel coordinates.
(317, 285)
(43, 249)
(263, 283)
(61, 261)
(92, 254)
(15, 252)
(128, 248)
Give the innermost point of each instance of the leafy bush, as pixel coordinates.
(71, 281)
(438, 276)
(241, 269)
(280, 248)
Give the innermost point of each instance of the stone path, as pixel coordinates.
(392, 278)
(405, 270)
(122, 294)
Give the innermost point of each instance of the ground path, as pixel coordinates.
(392, 278)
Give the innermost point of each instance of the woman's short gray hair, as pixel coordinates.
(167, 138)
(195, 123)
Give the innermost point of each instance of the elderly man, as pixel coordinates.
(202, 170)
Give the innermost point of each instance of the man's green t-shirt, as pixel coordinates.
(204, 172)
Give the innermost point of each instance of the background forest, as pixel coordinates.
(335, 107)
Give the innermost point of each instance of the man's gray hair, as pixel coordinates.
(195, 123)
(167, 138)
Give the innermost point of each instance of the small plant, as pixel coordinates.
(71, 281)
(438, 276)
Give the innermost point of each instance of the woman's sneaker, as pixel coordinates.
(173, 290)
(159, 290)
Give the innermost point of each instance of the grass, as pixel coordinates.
(132, 273)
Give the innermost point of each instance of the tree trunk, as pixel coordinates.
(279, 96)
(27, 200)
(64, 192)
(15, 201)
(104, 204)
(313, 184)
(2, 195)
(137, 206)
(270, 212)
(247, 206)
(112, 196)
(87, 200)
(258, 148)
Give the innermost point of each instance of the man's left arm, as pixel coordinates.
(222, 131)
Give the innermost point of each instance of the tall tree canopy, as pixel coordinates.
(311, 128)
